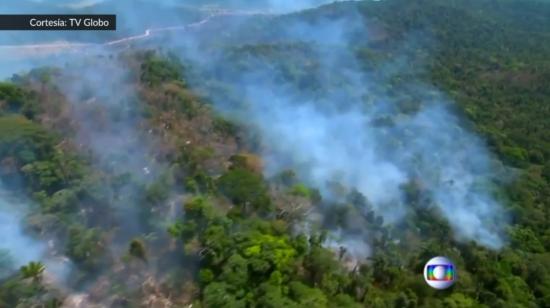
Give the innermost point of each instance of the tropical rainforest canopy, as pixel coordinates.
(153, 175)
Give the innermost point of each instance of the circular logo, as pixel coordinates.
(440, 273)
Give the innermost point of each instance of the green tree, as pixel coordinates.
(216, 294)
(137, 249)
(245, 188)
(306, 296)
(33, 270)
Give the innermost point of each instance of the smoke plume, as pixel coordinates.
(322, 112)
(375, 129)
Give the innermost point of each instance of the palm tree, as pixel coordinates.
(33, 270)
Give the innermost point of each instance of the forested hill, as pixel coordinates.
(140, 178)
(492, 58)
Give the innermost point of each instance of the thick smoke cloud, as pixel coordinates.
(352, 129)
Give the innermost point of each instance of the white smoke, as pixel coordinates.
(17, 246)
(334, 133)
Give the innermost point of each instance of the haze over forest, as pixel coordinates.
(276, 154)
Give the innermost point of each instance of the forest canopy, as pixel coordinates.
(153, 195)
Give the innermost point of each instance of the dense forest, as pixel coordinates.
(200, 224)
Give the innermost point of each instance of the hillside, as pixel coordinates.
(317, 158)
